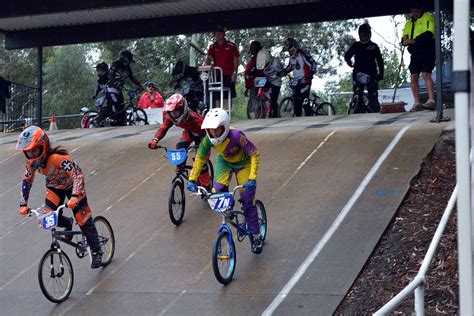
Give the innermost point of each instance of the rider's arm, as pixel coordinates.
(132, 77)
(201, 158)
(26, 183)
(349, 54)
(252, 151)
(161, 132)
(380, 63)
(210, 56)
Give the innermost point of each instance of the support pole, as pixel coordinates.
(39, 106)
(462, 88)
(439, 64)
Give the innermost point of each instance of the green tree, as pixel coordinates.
(69, 80)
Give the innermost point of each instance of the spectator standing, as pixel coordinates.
(150, 99)
(418, 36)
(367, 60)
(251, 71)
(273, 70)
(303, 67)
(224, 54)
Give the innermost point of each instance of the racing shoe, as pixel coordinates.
(257, 244)
(96, 259)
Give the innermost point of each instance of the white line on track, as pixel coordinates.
(18, 275)
(15, 154)
(332, 229)
(275, 194)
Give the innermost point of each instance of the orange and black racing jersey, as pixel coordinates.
(60, 171)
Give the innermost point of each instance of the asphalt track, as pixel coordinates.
(330, 186)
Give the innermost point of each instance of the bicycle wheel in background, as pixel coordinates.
(176, 202)
(55, 275)
(352, 104)
(262, 219)
(254, 107)
(106, 239)
(85, 118)
(223, 258)
(287, 107)
(137, 117)
(325, 108)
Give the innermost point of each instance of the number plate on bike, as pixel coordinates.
(260, 82)
(221, 202)
(177, 156)
(48, 220)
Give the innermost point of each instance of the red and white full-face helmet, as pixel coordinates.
(33, 137)
(177, 107)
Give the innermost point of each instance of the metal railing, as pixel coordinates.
(20, 108)
(418, 284)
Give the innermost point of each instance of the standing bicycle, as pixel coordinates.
(176, 197)
(110, 115)
(368, 71)
(55, 271)
(266, 101)
(224, 255)
(287, 105)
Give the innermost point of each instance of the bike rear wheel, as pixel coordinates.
(55, 275)
(255, 107)
(176, 202)
(224, 258)
(136, 117)
(287, 107)
(325, 108)
(262, 219)
(106, 239)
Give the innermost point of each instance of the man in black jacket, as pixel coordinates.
(368, 68)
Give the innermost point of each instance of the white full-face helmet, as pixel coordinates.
(263, 59)
(217, 125)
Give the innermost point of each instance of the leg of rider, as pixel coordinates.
(360, 107)
(205, 175)
(53, 199)
(373, 91)
(248, 200)
(122, 117)
(222, 174)
(83, 216)
(298, 104)
(184, 142)
(305, 90)
(274, 100)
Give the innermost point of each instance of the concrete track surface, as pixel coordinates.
(327, 206)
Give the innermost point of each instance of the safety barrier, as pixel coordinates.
(418, 284)
(20, 108)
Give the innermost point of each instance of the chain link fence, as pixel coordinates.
(20, 108)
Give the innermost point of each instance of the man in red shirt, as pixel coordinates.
(150, 98)
(251, 71)
(224, 54)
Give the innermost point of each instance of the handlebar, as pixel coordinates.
(203, 191)
(190, 148)
(37, 213)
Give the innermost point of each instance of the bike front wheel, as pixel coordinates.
(87, 118)
(287, 107)
(353, 104)
(106, 239)
(325, 108)
(224, 258)
(176, 202)
(137, 117)
(262, 219)
(55, 275)
(255, 107)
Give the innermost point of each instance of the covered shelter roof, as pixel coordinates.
(31, 23)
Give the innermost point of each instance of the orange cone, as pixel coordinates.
(52, 123)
